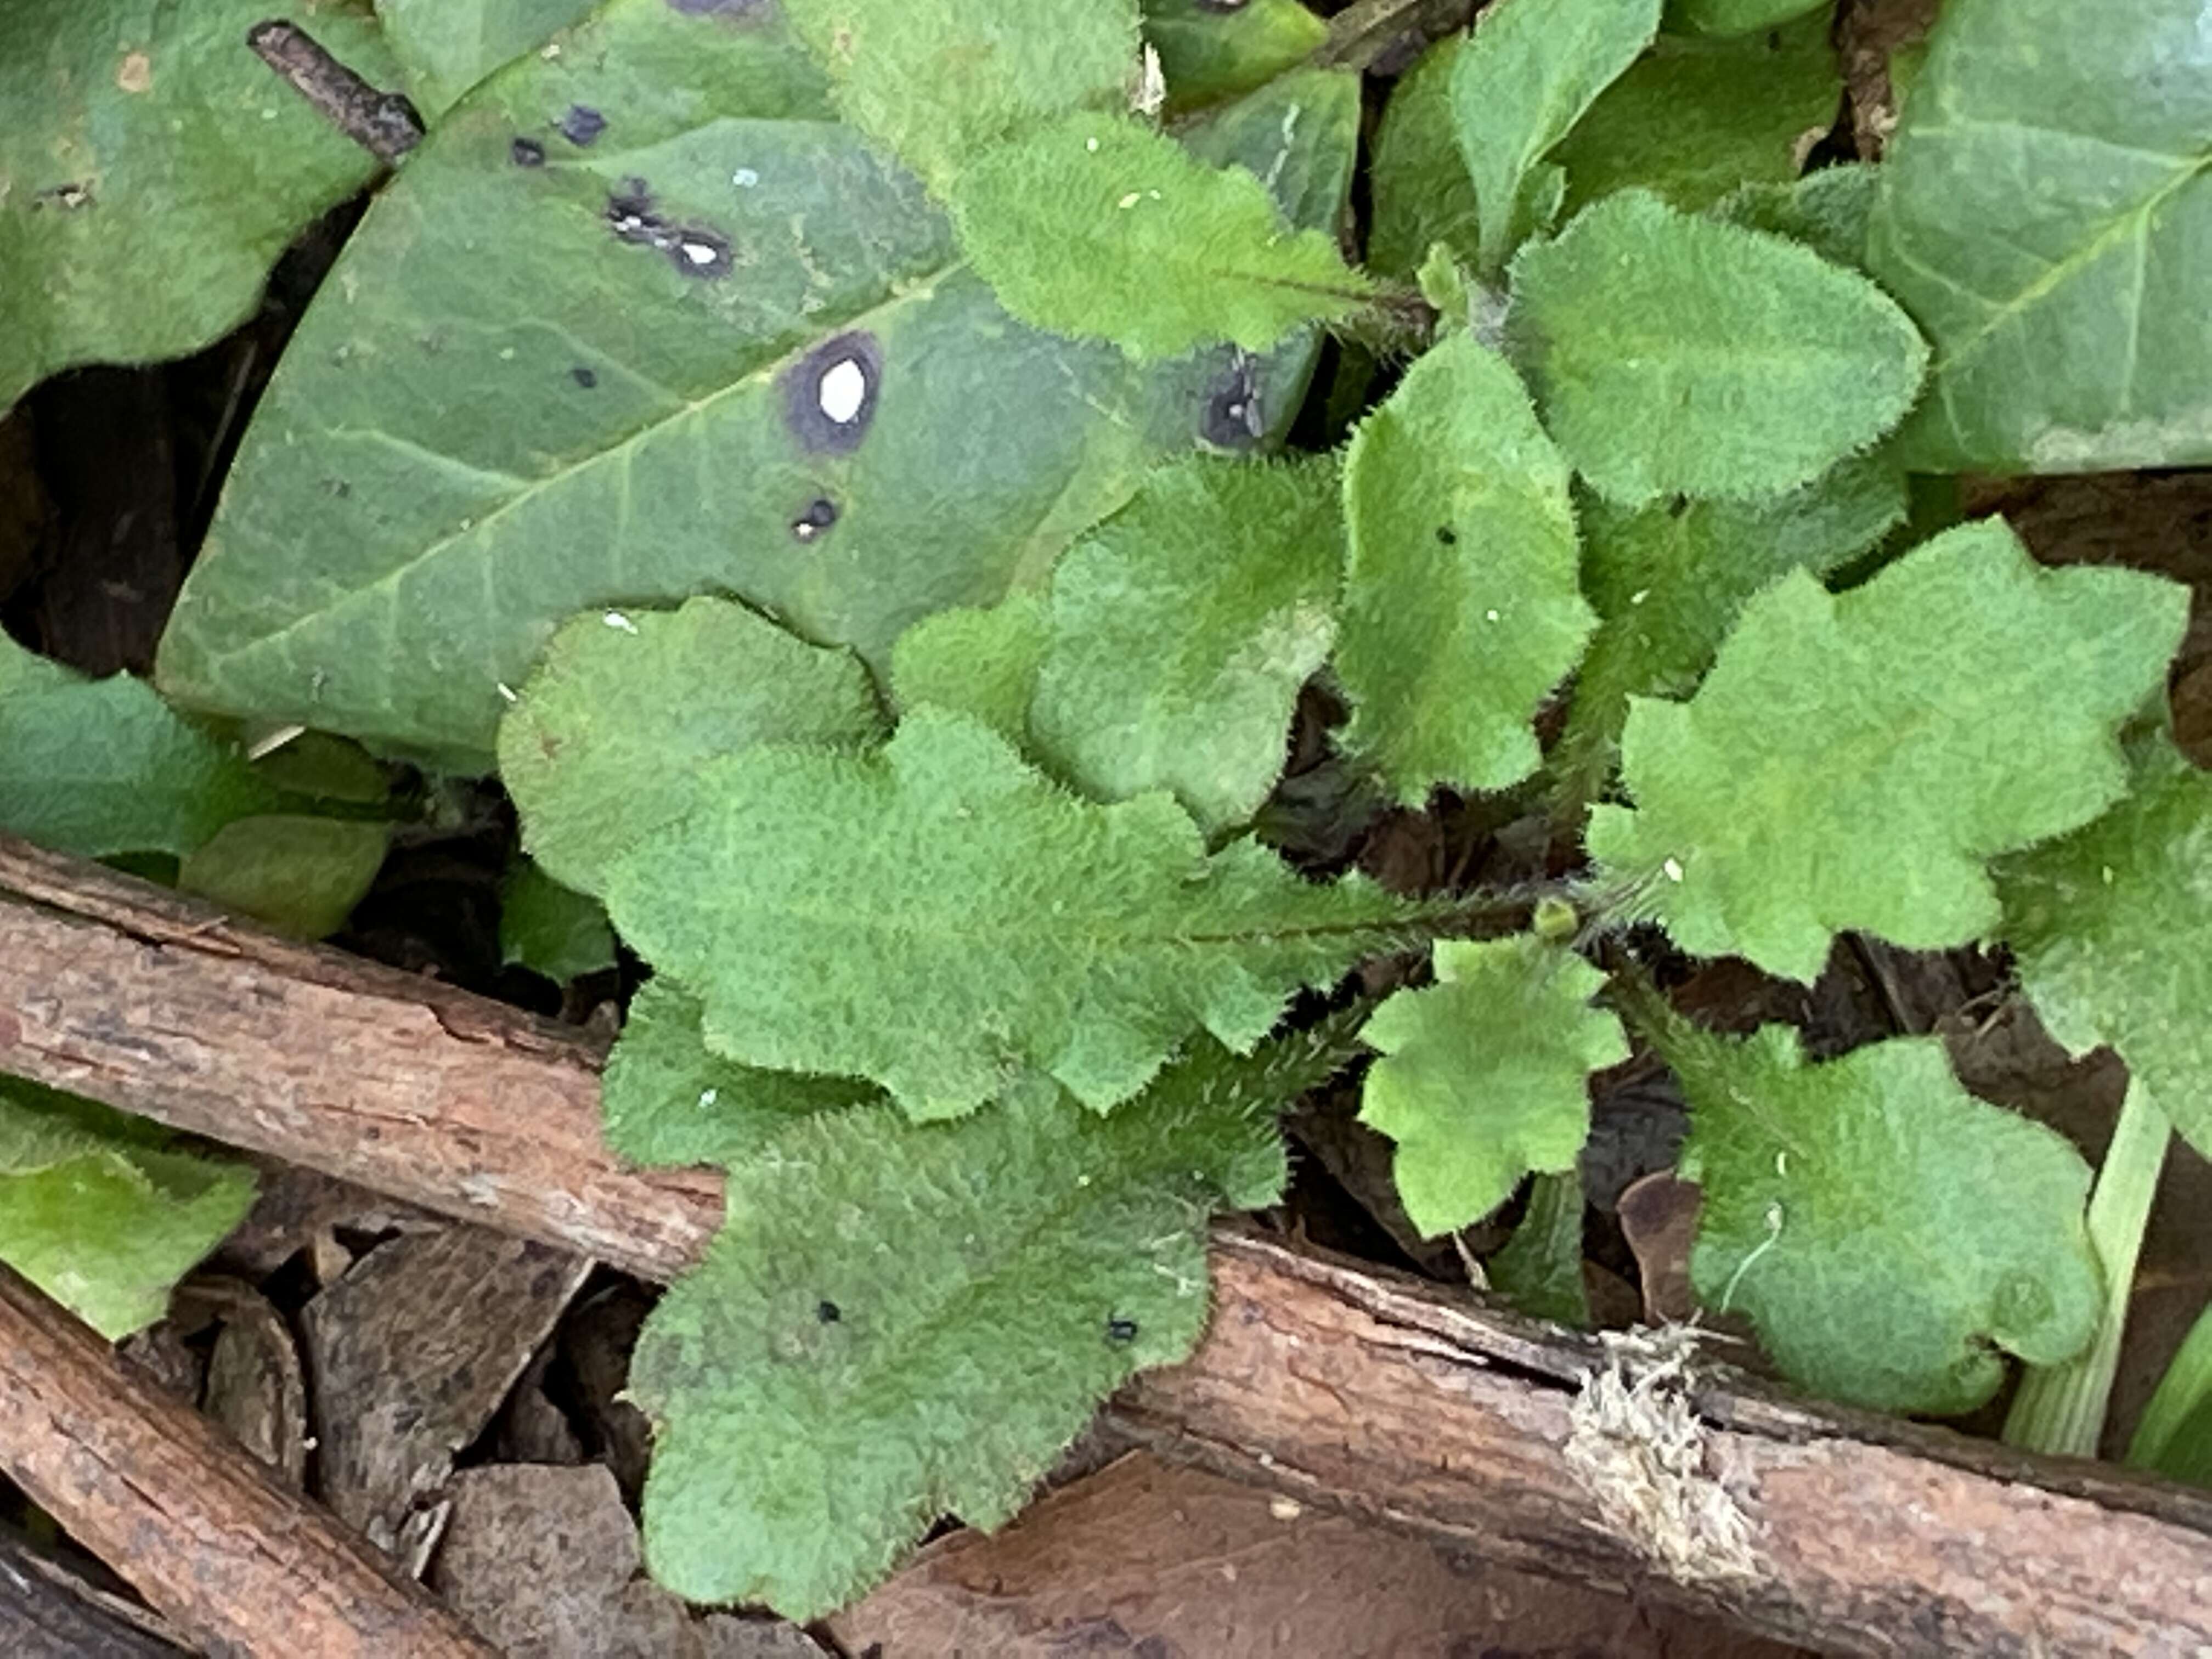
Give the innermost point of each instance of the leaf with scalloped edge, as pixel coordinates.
(1483, 1076)
(2112, 930)
(1881, 1226)
(1852, 759)
(1460, 607)
(823, 1389)
(941, 918)
(978, 662)
(1827, 210)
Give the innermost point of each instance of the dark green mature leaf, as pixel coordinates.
(1299, 136)
(550, 929)
(1461, 609)
(1523, 79)
(1827, 211)
(101, 767)
(298, 874)
(97, 1213)
(1097, 227)
(1208, 51)
(821, 1391)
(942, 918)
(2112, 928)
(1483, 1076)
(935, 80)
(446, 47)
(982, 663)
(1695, 117)
(1181, 629)
(151, 170)
(1880, 1225)
(1827, 717)
(1540, 1271)
(1417, 179)
(520, 395)
(1737, 17)
(2044, 213)
(606, 743)
(1671, 354)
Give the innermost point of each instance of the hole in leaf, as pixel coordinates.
(527, 153)
(1121, 1329)
(829, 394)
(819, 514)
(828, 1311)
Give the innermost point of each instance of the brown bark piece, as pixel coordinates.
(198, 1528)
(255, 1387)
(46, 1612)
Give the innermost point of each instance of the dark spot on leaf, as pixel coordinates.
(583, 376)
(828, 1312)
(821, 512)
(829, 394)
(527, 153)
(1233, 418)
(63, 196)
(1120, 1328)
(694, 250)
(630, 215)
(698, 252)
(739, 11)
(337, 487)
(1678, 506)
(1445, 535)
(582, 124)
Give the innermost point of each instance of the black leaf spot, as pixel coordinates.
(1234, 418)
(583, 376)
(694, 250)
(829, 394)
(1120, 1328)
(821, 512)
(527, 153)
(1444, 534)
(582, 124)
(698, 252)
(828, 1311)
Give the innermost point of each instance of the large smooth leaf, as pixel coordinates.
(1208, 51)
(151, 170)
(1417, 179)
(723, 347)
(446, 47)
(2045, 213)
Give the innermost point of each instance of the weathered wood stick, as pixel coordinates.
(1336, 1383)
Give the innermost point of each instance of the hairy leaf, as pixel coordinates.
(550, 929)
(1738, 17)
(1523, 79)
(1461, 609)
(1827, 210)
(1181, 630)
(2112, 928)
(1208, 51)
(446, 47)
(936, 83)
(1881, 1225)
(151, 170)
(941, 918)
(2043, 212)
(1694, 119)
(298, 874)
(1483, 1076)
(607, 741)
(526, 391)
(1671, 354)
(669, 1099)
(101, 767)
(982, 663)
(97, 1212)
(1097, 227)
(1851, 760)
(823, 1389)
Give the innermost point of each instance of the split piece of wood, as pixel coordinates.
(1338, 1385)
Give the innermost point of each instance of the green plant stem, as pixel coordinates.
(2061, 1408)
(2174, 1434)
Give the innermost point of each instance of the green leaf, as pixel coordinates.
(431, 487)
(1881, 1225)
(151, 170)
(1181, 630)
(1209, 51)
(1737, 17)
(101, 767)
(446, 47)
(1461, 610)
(1523, 78)
(316, 766)
(97, 1213)
(982, 663)
(1540, 1271)
(1097, 227)
(1299, 135)
(1826, 713)
(936, 80)
(824, 1387)
(2174, 1434)
(1827, 211)
(669, 1099)
(1668, 580)
(550, 929)
(1671, 354)
(942, 918)
(607, 741)
(1694, 119)
(1417, 180)
(2043, 213)
(302, 876)
(1484, 1075)
(2112, 928)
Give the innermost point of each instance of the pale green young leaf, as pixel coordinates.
(606, 741)
(2044, 212)
(936, 80)
(1676, 355)
(1695, 117)
(1461, 609)
(550, 929)
(1097, 227)
(1828, 717)
(1484, 1075)
(942, 918)
(1521, 82)
(1728, 17)
(102, 767)
(1540, 1271)
(446, 47)
(1209, 51)
(297, 874)
(1417, 179)
(977, 662)
(821, 1391)
(97, 1213)
(1181, 629)
(669, 1099)
(1827, 211)
(1881, 1225)
(2112, 928)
